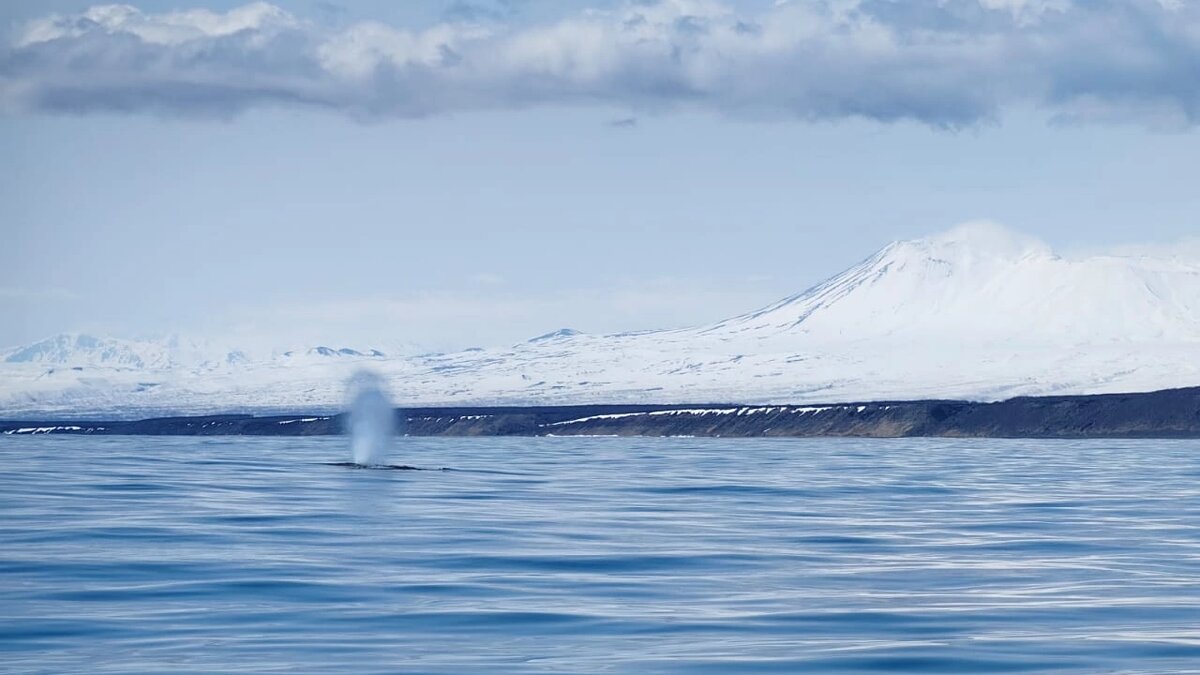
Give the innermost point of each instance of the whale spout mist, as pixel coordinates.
(370, 419)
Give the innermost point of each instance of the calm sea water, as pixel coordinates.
(599, 555)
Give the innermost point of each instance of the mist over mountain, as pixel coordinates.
(978, 312)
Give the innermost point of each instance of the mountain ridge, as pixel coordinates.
(978, 313)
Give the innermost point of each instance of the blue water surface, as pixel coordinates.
(126, 554)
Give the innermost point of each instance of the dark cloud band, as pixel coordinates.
(946, 63)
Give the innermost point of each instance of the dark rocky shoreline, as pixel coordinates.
(1173, 413)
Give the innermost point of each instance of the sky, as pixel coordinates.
(452, 174)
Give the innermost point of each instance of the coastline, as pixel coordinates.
(1170, 413)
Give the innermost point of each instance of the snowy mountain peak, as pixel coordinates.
(981, 281)
(78, 349)
(322, 353)
(89, 351)
(554, 336)
(979, 239)
(976, 312)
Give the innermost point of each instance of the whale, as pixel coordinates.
(379, 467)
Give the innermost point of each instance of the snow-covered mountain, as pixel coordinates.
(982, 282)
(977, 312)
(76, 349)
(79, 351)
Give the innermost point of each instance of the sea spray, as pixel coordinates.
(370, 419)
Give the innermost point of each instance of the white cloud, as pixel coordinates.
(941, 62)
(170, 28)
(1027, 11)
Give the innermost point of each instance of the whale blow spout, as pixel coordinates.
(370, 419)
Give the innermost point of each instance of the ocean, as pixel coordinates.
(260, 555)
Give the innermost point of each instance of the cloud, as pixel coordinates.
(497, 10)
(944, 63)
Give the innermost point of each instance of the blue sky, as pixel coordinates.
(455, 174)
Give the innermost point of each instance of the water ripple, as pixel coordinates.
(600, 555)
